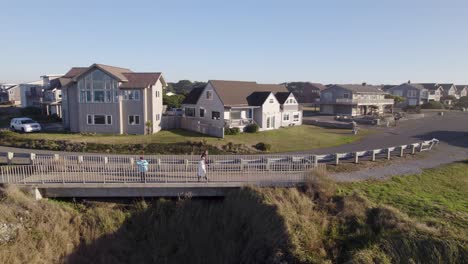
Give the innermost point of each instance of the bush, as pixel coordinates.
(231, 131)
(252, 128)
(432, 105)
(412, 109)
(263, 146)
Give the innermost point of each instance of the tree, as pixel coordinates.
(174, 101)
(396, 99)
(149, 127)
(462, 102)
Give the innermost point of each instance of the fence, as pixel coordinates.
(192, 124)
(248, 169)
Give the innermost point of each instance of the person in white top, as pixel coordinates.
(201, 173)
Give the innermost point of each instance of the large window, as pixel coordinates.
(412, 93)
(215, 115)
(99, 119)
(286, 117)
(131, 95)
(202, 112)
(296, 117)
(97, 87)
(236, 115)
(209, 95)
(189, 111)
(133, 120)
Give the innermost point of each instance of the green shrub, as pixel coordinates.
(231, 131)
(432, 105)
(252, 128)
(263, 146)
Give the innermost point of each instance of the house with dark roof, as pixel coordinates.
(306, 92)
(107, 99)
(417, 93)
(462, 90)
(228, 104)
(353, 100)
(448, 89)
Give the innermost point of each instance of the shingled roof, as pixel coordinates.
(282, 96)
(235, 93)
(257, 98)
(446, 86)
(428, 86)
(128, 78)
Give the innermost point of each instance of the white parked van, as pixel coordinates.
(24, 124)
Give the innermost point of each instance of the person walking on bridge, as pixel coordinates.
(201, 171)
(142, 168)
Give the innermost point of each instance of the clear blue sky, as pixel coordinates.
(376, 41)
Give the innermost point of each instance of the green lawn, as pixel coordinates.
(284, 139)
(438, 195)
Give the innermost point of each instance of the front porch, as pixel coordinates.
(239, 117)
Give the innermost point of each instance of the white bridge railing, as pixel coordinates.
(248, 169)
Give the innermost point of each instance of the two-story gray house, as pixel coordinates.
(10, 93)
(416, 93)
(353, 100)
(462, 90)
(237, 104)
(108, 99)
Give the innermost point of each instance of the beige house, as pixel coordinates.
(462, 90)
(108, 99)
(231, 104)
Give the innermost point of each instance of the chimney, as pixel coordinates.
(409, 81)
(364, 84)
(45, 80)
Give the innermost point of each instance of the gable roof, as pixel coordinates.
(257, 98)
(388, 87)
(359, 88)
(193, 96)
(428, 86)
(282, 96)
(140, 79)
(235, 93)
(128, 78)
(314, 86)
(461, 87)
(446, 86)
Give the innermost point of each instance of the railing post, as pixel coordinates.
(373, 155)
(388, 153)
(241, 165)
(10, 156)
(56, 157)
(356, 157)
(132, 161)
(413, 149)
(315, 160)
(186, 163)
(421, 146)
(402, 149)
(267, 164)
(3, 177)
(337, 158)
(80, 159)
(32, 158)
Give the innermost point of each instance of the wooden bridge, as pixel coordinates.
(173, 175)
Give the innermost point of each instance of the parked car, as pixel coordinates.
(24, 124)
(175, 112)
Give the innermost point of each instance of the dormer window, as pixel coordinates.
(209, 95)
(271, 100)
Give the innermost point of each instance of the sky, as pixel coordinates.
(347, 41)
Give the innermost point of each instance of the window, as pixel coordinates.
(133, 120)
(97, 87)
(202, 112)
(236, 115)
(412, 93)
(286, 117)
(271, 100)
(268, 122)
(346, 95)
(209, 95)
(99, 119)
(131, 95)
(397, 92)
(296, 117)
(189, 111)
(157, 94)
(158, 117)
(215, 115)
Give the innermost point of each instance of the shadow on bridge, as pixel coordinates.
(239, 229)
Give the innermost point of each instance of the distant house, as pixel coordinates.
(108, 99)
(448, 89)
(306, 92)
(10, 93)
(462, 90)
(353, 100)
(51, 102)
(417, 93)
(32, 93)
(237, 104)
(387, 87)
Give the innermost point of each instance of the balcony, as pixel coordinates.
(357, 101)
